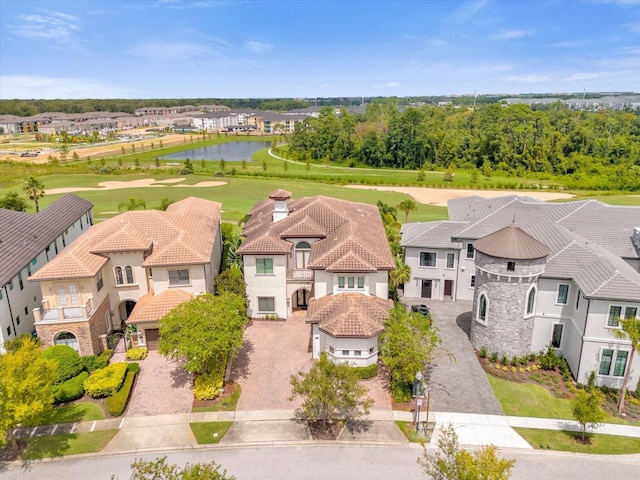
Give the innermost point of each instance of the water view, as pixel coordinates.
(230, 151)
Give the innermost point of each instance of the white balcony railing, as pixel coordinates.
(300, 274)
(79, 312)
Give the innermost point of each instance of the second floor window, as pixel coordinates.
(264, 266)
(563, 294)
(124, 275)
(179, 277)
(351, 282)
(99, 282)
(427, 259)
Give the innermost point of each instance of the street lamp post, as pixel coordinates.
(418, 393)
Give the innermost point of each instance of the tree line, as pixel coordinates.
(593, 149)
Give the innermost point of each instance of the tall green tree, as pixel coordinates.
(206, 331)
(408, 346)
(630, 331)
(35, 191)
(25, 387)
(450, 462)
(159, 469)
(398, 276)
(331, 392)
(407, 206)
(586, 408)
(13, 201)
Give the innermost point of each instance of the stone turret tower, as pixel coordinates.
(508, 265)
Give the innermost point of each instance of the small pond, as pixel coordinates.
(230, 151)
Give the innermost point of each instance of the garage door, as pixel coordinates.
(151, 335)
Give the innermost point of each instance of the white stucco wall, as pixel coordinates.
(340, 345)
(461, 277)
(197, 275)
(274, 285)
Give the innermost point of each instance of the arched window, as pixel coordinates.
(66, 338)
(303, 252)
(124, 275)
(531, 300)
(482, 308)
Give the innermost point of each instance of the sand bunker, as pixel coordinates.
(142, 183)
(439, 196)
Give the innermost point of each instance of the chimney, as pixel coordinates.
(280, 204)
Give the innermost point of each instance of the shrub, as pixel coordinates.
(96, 362)
(208, 385)
(400, 391)
(138, 353)
(514, 361)
(549, 360)
(369, 371)
(117, 402)
(493, 357)
(133, 367)
(68, 361)
(483, 352)
(505, 360)
(106, 381)
(70, 390)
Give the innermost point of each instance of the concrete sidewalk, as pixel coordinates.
(280, 427)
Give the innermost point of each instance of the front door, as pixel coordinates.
(426, 289)
(448, 288)
(302, 298)
(151, 337)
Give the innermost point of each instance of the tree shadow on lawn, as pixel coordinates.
(240, 367)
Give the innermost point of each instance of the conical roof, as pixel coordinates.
(513, 243)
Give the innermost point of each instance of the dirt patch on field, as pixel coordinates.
(440, 196)
(142, 183)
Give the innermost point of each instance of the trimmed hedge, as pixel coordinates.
(68, 361)
(133, 367)
(96, 362)
(70, 390)
(369, 371)
(106, 381)
(208, 385)
(117, 402)
(138, 353)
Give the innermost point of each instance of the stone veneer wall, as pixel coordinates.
(86, 331)
(507, 330)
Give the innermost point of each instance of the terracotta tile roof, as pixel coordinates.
(344, 228)
(511, 242)
(182, 235)
(24, 235)
(350, 262)
(349, 314)
(151, 308)
(280, 195)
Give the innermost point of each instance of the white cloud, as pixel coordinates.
(56, 26)
(570, 44)
(436, 42)
(257, 47)
(162, 50)
(581, 76)
(31, 86)
(394, 84)
(467, 10)
(510, 34)
(531, 78)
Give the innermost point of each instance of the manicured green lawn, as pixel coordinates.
(223, 404)
(566, 442)
(72, 412)
(47, 446)
(205, 431)
(409, 431)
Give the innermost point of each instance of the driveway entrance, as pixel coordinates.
(461, 386)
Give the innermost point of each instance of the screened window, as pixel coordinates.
(482, 308)
(360, 282)
(621, 363)
(66, 338)
(531, 300)
(563, 294)
(427, 259)
(605, 361)
(20, 282)
(451, 258)
(471, 252)
(179, 277)
(614, 316)
(264, 266)
(340, 282)
(266, 304)
(99, 282)
(124, 275)
(630, 313)
(511, 266)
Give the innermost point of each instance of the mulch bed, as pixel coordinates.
(229, 390)
(319, 432)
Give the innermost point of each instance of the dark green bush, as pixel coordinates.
(68, 361)
(106, 381)
(369, 371)
(117, 402)
(400, 391)
(96, 362)
(133, 367)
(549, 360)
(483, 352)
(70, 390)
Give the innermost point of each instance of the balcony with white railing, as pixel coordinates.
(58, 314)
(299, 275)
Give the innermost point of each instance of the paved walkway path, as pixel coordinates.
(459, 386)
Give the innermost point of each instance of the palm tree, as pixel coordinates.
(629, 331)
(399, 276)
(132, 204)
(13, 201)
(407, 206)
(35, 191)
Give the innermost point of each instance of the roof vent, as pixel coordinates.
(635, 238)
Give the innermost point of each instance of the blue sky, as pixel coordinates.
(304, 48)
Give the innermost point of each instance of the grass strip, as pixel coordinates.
(209, 432)
(48, 446)
(224, 404)
(565, 441)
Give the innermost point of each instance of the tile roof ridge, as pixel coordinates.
(573, 242)
(616, 273)
(490, 214)
(575, 210)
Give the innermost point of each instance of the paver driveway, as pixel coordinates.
(461, 386)
(162, 387)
